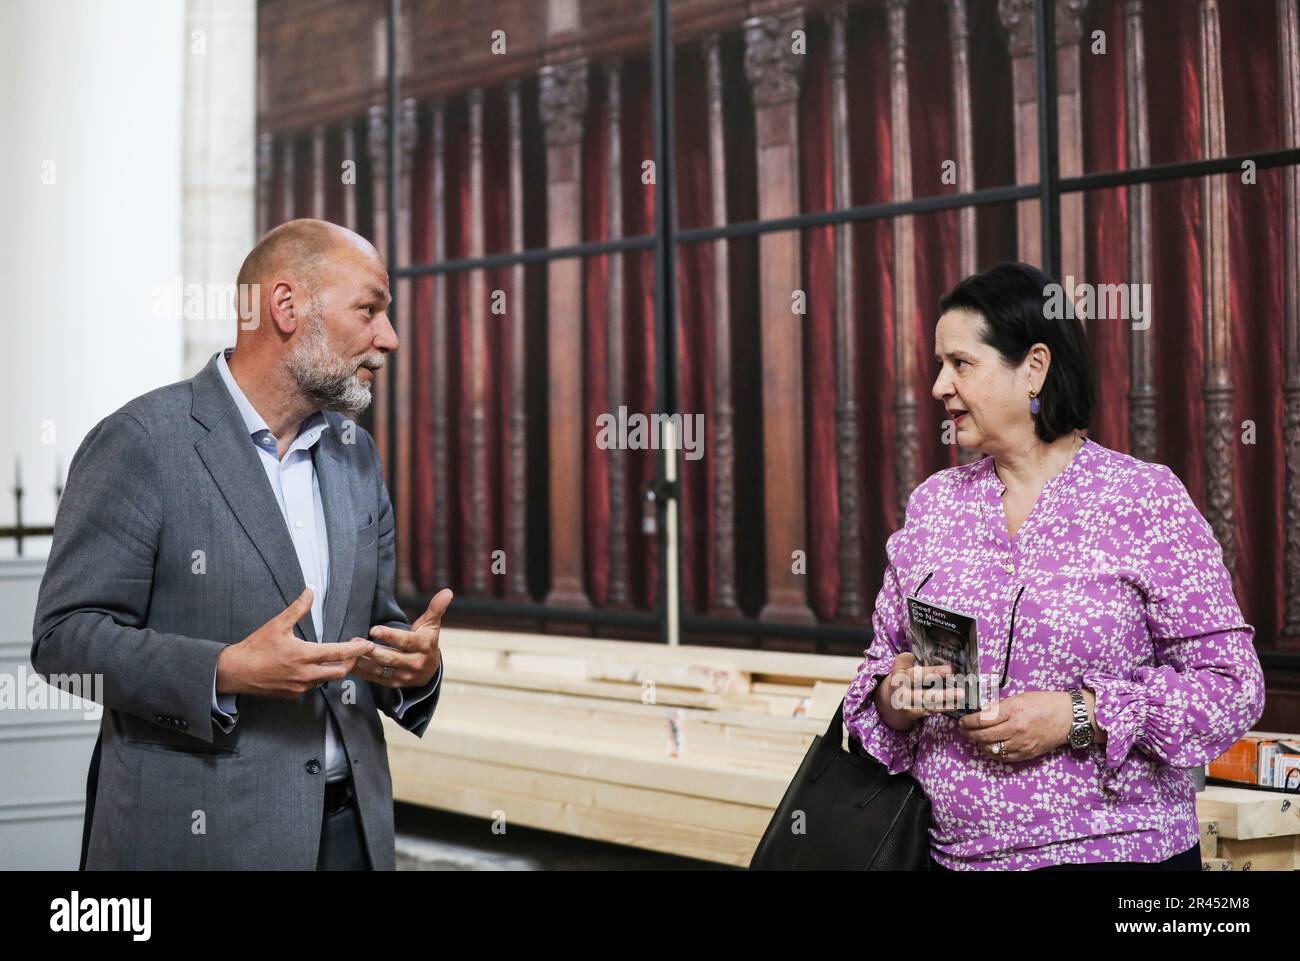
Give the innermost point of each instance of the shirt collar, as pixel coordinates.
(993, 483)
(309, 430)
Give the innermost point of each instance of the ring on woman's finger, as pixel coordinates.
(999, 747)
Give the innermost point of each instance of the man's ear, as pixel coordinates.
(283, 307)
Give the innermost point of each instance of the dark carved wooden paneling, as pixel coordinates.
(619, 587)
(517, 467)
(288, 177)
(439, 362)
(377, 144)
(265, 171)
(1217, 320)
(1142, 388)
(773, 71)
(350, 213)
(1289, 89)
(1018, 20)
(318, 171)
(1069, 112)
(907, 442)
(963, 140)
(724, 602)
(476, 376)
(408, 131)
(851, 605)
(562, 104)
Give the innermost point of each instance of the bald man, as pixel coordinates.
(223, 560)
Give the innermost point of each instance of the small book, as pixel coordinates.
(942, 636)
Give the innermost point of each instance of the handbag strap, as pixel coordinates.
(828, 748)
(835, 730)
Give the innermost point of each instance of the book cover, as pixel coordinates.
(943, 636)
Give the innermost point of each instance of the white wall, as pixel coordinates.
(95, 90)
(219, 193)
(148, 144)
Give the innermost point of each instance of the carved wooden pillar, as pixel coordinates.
(773, 72)
(377, 143)
(408, 133)
(906, 441)
(619, 592)
(963, 139)
(1142, 388)
(318, 171)
(350, 184)
(438, 368)
(288, 177)
(517, 469)
(1069, 113)
(562, 104)
(265, 171)
(1288, 27)
(723, 603)
(1214, 282)
(1018, 20)
(959, 37)
(851, 606)
(476, 376)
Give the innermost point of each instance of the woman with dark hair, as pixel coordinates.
(1113, 654)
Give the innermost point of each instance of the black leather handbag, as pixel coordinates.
(856, 816)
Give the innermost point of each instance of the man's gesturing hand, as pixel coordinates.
(274, 662)
(412, 655)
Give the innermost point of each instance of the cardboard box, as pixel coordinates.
(1286, 773)
(1238, 763)
(1252, 760)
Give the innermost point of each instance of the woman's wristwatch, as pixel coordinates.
(1082, 732)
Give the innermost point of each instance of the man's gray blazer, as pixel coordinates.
(168, 546)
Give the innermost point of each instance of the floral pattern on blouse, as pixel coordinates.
(1124, 592)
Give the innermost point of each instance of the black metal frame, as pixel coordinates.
(668, 237)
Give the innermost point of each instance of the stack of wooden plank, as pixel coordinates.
(1249, 830)
(685, 750)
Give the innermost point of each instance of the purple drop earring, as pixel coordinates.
(1033, 403)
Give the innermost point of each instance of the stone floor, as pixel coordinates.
(430, 840)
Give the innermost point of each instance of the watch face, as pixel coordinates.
(1081, 737)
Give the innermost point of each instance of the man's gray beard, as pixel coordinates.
(327, 380)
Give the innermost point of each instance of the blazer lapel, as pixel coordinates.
(228, 453)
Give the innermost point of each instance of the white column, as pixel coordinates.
(90, 224)
(218, 194)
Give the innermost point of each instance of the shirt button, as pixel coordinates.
(297, 523)
(313, 766)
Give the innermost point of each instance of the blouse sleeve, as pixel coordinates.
(1201, 687)
(895, 749)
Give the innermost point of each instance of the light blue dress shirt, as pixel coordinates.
(297, 491)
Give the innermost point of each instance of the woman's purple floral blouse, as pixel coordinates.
(1125, 592)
